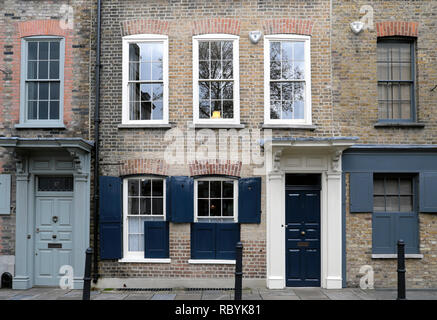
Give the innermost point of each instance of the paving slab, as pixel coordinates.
(159, 296)
(310, 294)
(109, 296)
(217, 295)
(279, 297)
(252, 296)
(189, 296)
(139, 296)
(340, 294)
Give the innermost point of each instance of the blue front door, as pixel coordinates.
(302, 238)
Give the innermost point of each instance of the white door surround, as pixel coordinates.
(305, 156)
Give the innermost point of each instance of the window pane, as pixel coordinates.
(157, 206)
(228, 109)
(146, 71)
(32, 67)
(228, 207)
(287, 51)
(378, 203)
(228, 189)
(157, 188)
(158, 90)
(146, 187)
(227, 50)
(299, 51)
(392, 203)
(32, 53)
(54, 69)
(203, 50)
(203, 189)
(216, 69)
(299, 70)
(215, 50)
(47, 183)
(134, 52)
(216, 208)
(275, 110)
(134, 111)
(133, 187)
(134, 92)
(298, 109)
(54, 110)
(54, 50)
(32, 90)
(216, 191)
(216, 90)
(391, 186)
(157, 51)
(54, 90)
(134, 71)
(275, 70)
(287, 70)
(275, 90)
(43, 50)
(378, 186)
(43, 110)
(405, 110)
(146, 111)
(134, 242)
(406, 187)
(204, 70)
(275, 51)
(43, 70)
(383, 73)
(134, 225)
(287, 90)
(299, 91)
(204, 90)
(405, 70)
(227, 69)
(133, 206)
(157, 70)
(204, 110)
(287, 110)
(202, 208)
(145, 206)
(406, 204)
(32, 111)
(146, 92)
(157, 110)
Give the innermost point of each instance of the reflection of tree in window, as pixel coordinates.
(287, 74)
(216, 63)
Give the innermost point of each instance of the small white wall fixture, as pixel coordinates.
(321, 157)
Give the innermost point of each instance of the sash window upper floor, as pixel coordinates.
(216, 79)
(287, 80)
(396, 80)
(42, 82)
(145, 79)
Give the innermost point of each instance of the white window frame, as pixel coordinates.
(219, 219)
(138, 256)
(138, 38)
(43, 123)
(235, 72)
(307, 108)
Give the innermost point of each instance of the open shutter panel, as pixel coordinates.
(156, 239)
(427, 192)
(408, 230)
(203, 240)
(227, 235)
(383, 238)
(182, 198)
(5, 193)
(361, 192)
(249, 200)
(168, 198)
(110, 218)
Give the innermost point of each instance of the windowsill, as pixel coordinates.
(145, 126)
(216, 126)
(39, 126)
(144, 260)
(399, 125)
(210, 261)
(395, 256)
(288, 126)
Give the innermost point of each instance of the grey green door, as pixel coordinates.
(53, 236)
(302, 238)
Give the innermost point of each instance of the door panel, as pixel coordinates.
(302, 238)
(53, 238)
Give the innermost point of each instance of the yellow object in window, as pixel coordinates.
(216, 115)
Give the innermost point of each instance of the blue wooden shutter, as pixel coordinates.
(383, 237)
(361, 191)
(110, 219)
(226, 236)
(168, 198)
(182, 199)
(407, 229)
(156, 239)
(5, 193)
(427, 192)
(203, 240)
(249, 200)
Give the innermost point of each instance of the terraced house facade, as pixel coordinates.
(272, 123)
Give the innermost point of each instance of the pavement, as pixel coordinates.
(248, 294)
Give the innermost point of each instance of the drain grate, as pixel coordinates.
(144, 289)
(172, 289)
(209, 289)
